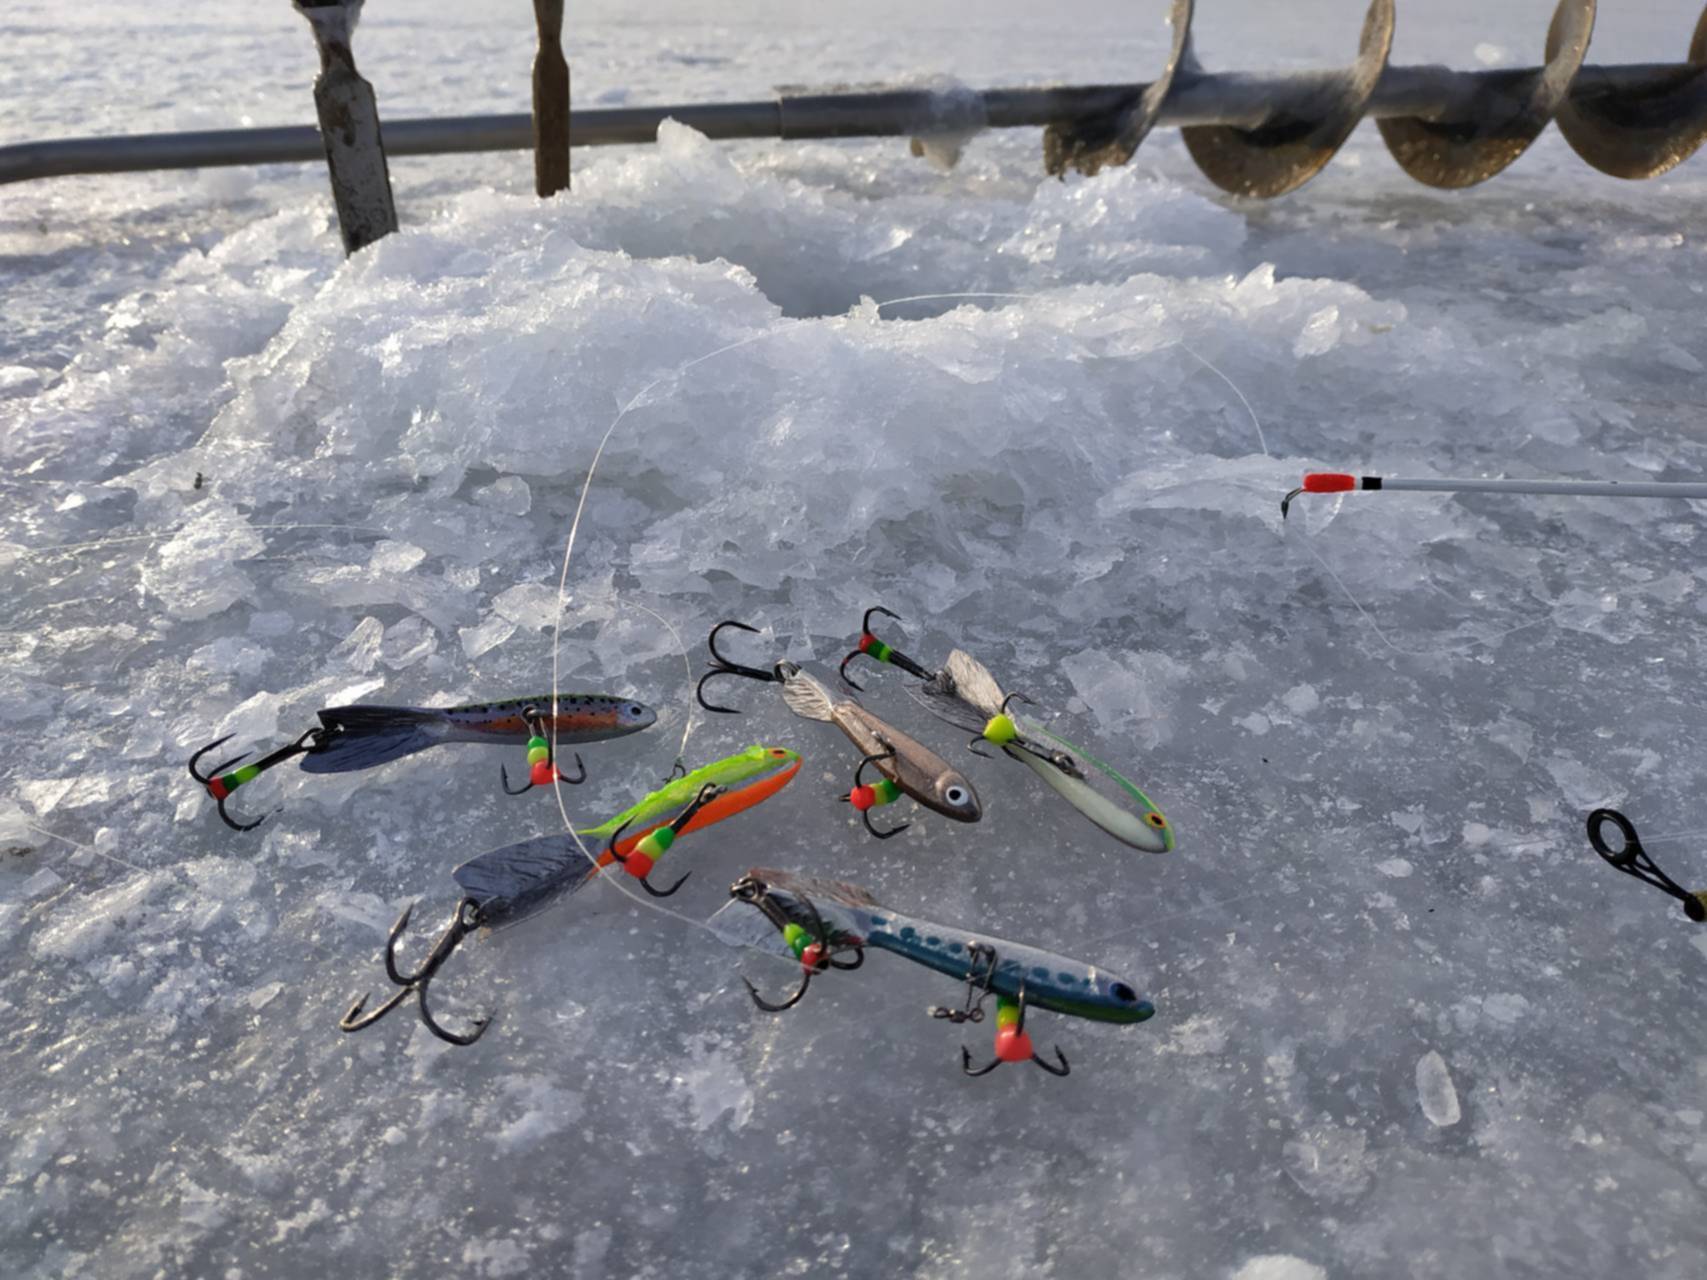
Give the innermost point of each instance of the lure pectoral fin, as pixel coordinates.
(805, 694)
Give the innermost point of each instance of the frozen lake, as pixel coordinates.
(1407, 1023)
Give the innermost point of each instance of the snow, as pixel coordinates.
(1376, 727)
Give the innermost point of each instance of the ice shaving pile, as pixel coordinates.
(1407, 1023)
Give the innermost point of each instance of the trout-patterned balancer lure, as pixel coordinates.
(361, 737)
(826, 925)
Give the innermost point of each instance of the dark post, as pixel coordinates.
(349, 126)
(550, 102)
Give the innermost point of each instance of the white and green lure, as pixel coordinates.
(966, 695)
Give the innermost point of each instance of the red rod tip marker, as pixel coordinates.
(1329, 482)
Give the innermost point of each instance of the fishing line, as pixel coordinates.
(681, 645)
(1262, 440)
(89, 848)
(635, 401)
(624, 409)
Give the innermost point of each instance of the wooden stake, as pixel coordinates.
(550, 102)
(349, 127)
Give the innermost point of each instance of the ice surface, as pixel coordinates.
(1407, 1023)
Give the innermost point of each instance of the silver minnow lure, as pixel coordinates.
(913, 767)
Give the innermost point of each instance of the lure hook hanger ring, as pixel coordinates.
(464, 922)
(1633, 860)
(721, 666)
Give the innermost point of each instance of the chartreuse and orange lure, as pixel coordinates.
(503, 886)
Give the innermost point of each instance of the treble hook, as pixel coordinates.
(815, 955)
(220, 784)
(871, 647)
(542, 767)
(1012, 1042)
(464, 922)
(721, 666)
(1633, 860)
(1003, 712)
(639, 861)
(864, 798)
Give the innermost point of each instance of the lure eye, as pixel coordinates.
(634, 708)
(1156, 820)
(955, 795)
(778, 752)
(1124, 993)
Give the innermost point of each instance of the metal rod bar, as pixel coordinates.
(1565, 488)
(1244, 101)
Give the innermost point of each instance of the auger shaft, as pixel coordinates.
(1243, 101)
(1254, 135)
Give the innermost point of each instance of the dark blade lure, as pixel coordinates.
(507, 885)
(363, 736)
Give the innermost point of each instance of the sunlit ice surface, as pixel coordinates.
(1407, 1023)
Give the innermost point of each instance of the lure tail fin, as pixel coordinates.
(806, 695)
(972, 682)
(518, 880)
(360, 737)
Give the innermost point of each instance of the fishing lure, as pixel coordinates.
(827, 925)
(361, 737)
(907, 767)
(1633, 860)
(506, 885)
(967, 696)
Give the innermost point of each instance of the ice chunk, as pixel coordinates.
(1435, 1090)
(194, 574)
(80, 930)
(1280, 1266)
(509, 494)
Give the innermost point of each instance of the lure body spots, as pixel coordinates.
(822, 923)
